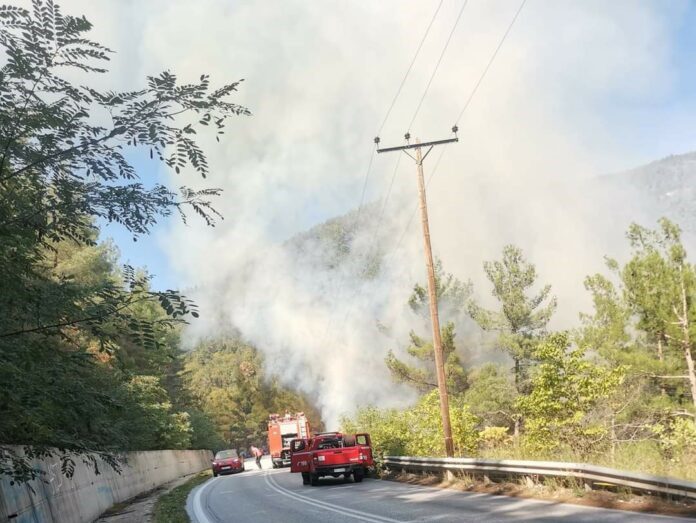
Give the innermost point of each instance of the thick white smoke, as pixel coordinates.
(319, 77)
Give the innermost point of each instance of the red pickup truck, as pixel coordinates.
(331, 454)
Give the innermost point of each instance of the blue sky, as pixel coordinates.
(147, 251)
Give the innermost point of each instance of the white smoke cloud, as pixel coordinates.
(318, 78)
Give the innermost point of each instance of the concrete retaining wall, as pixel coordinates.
(82, 498)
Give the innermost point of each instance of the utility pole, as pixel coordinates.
(434, 316)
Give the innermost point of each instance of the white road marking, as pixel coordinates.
(344, 511)
(198, 510)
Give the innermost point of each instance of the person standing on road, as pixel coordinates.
(257, 454)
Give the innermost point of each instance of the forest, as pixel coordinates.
(619, 389)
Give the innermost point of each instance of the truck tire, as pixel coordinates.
(358, 475)
(305, 478)
(313, 479)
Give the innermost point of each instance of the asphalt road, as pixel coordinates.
(278, 496)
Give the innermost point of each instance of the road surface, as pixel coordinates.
(275, 495)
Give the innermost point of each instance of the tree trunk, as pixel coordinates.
(517, 374)
(660, 355)
(613, 439)
(686, 341)
(518, 421)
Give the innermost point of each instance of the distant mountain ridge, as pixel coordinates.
(667, 186)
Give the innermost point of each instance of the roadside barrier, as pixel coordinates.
(591, 475)
(54, 498)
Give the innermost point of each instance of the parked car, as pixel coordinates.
(227, 462)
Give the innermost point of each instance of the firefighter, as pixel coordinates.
(257, 454)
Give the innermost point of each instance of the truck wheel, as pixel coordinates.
(305, 478)
(314, 479)
(358, 475)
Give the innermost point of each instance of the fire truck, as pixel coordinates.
(283, 429)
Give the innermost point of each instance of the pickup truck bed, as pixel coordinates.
(332, 455)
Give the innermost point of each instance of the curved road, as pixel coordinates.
(278, 496)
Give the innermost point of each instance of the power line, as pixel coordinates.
(490, 62)
(461, 113)
(408, 71)
(437, 65)
(367, 176)
(372, 154)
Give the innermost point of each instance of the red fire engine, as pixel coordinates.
(283, 429)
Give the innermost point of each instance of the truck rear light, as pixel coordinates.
(319, 458)
(363, 457)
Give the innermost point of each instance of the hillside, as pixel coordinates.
(665, 187)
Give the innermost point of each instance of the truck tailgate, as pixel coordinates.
(343, 456)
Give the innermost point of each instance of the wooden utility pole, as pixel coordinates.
(432, 294)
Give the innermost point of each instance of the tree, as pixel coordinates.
(416, 431)
(451, 295)
(565, 388)
(522, 319)
(59, 170)
(491, 396)
(225, 378)
(64, 165)
(660, 285)
(631, 326)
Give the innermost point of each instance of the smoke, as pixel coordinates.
(319, 78)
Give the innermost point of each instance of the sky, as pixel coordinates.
(579, 89)
(634, 127)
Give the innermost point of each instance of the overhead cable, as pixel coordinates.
(437, 64)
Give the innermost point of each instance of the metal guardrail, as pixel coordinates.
(590, 474)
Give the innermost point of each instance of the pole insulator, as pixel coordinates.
(455, 129)
(407, 136)
(377, 140)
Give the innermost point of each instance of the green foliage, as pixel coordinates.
(155, 423)
(422, 375)
(226, 380)
(204, 434)
(86, 348)
(565, 388)
(75, 392)
(607, 330)
(416, 431)
(491, 396)
(451, 295)
(677, 437)
(492, 437)
(643, 320)
(615, 392)
(522, 319)
(388, 429)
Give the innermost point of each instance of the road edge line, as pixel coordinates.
(197, 507)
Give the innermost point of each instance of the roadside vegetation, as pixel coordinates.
(618, 390)
(171, 507)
